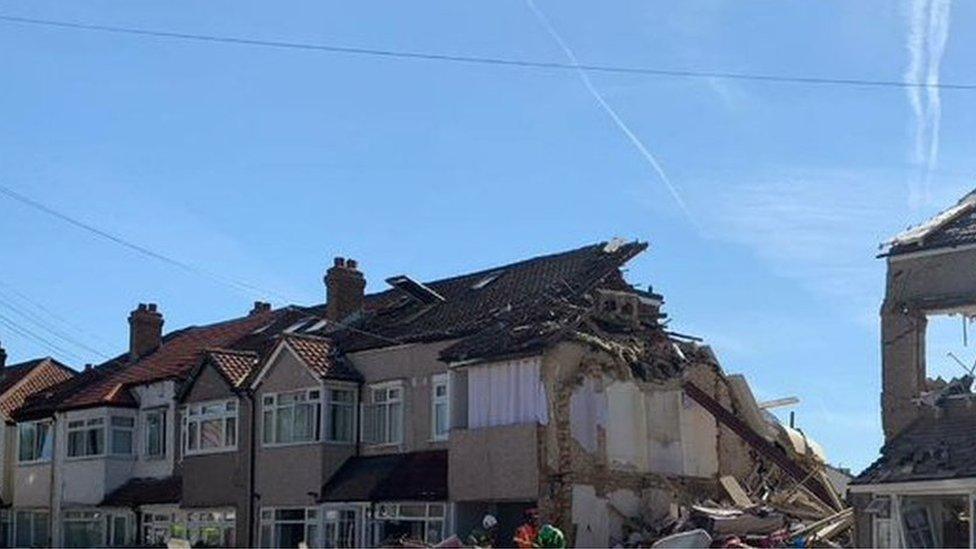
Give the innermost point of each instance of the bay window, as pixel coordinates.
(210, 427)
(211, 528)
(35, 441)
(292, 418)
(439, 408)
(383, 416)
(86, 437)
(342, 414)
(419, 521)
(154, 426)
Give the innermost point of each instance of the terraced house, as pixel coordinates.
(549, 383)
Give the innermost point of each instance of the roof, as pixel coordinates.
(938, 445)
(953, 227)
(472, 302)
(235, 366)
(319, 354)
(180, 352)
(416, 476)
(145, 491)
(20, 381)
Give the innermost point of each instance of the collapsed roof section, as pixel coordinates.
(951, 228)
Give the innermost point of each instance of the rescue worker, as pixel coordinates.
(525, 535)
(484, 536)
(551, 537)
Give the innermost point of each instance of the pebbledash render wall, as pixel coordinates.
(917, 285)
(220, 480)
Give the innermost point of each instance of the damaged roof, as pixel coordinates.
(953, 227)
(938, 445)
(319, 354)
(477, 301)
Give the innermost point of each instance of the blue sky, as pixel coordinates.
(262, 164)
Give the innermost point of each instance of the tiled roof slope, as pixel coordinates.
(319, 354)
(18, 383)
(472, 301)
(235, 366)
(939, 445)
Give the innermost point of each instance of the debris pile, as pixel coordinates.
(788, 500)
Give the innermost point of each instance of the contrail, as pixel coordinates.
(927, 36)
(641, 148)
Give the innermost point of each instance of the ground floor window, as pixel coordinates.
(156, 527)
(211, 528)
(83, 529)
(289, 526)
(32, 528)
(393, 522)
(340, 527)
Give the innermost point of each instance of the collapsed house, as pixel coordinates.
(919, 492)
(406, 416)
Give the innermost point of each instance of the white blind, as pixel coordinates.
(506, 393)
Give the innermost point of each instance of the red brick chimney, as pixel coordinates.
(145, 330)
(259, 307)
(344, 289)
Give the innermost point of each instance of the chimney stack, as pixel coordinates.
(145, 330)
(344, 288)
(3, 357)
(259, 307)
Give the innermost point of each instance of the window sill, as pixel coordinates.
(120, 457)
(272, 445)
(209, 452)
(34, 462)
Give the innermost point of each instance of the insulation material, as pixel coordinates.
(590, 517)
(588, 411)
(507, 393)
(627, 427)
(699, 440)
(747, 407)
(665, 453)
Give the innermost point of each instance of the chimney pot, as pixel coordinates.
(260, 307)
(345, 287)
(145, 330)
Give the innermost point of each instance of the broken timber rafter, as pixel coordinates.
(757, 442)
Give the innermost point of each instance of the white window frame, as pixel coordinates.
(437, 381)
(386, 403)
(114, 428)
(329, 409)
(392, 511)
(49, 432)
(270, 404)
(162, 414)
(85, 425)
(222, 519)
(35, 516)
(158, 525)
(268, 519)
(196, 414)
(84, 516)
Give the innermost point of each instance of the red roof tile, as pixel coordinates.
(234, 365)
(176, 358)
(318, 353)
(21, 382)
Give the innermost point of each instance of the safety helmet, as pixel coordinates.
(489, 522)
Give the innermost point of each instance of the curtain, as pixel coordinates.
(508, 393)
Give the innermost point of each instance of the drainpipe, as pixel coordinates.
(55, 489)
(252, 470)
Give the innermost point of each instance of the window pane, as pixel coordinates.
(268, 427)
(230, 435)
(96, 441)
(46, 441)
(40, 529)
(154, 434)
(440, 419)
(121, 441)
(396, 419)
(191, 435)
(26, 446)
(290, 514)
(211, 434)
(284, 425)
(118, 421)
(76, 443)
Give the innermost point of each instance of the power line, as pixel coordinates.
(29, 334)
(51, 313)
(481, 60)
(137, 247)
(43, 325)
